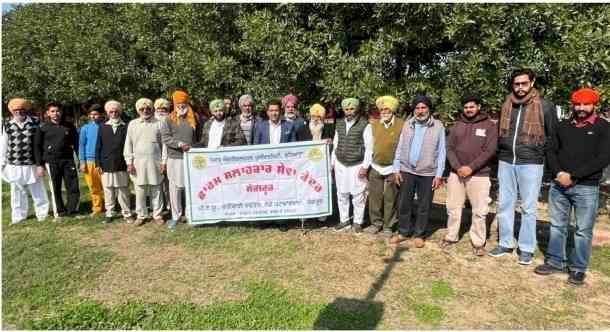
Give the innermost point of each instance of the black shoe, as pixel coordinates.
(342, 226)
(107, 220)
(546, 269)
(576, 278)
(283, 227)
(500, 251)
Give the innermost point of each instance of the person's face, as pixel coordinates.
(114, 113)
(316, 119)
(54, 113)
(522, 85)
(95, 116)
(246, 108)
(227, 103)
(218, 114)
(291, 110)
(583, 111)
(19, 114)
(471, 109)
(161, 112)
(182, 109)
(422, 112)
(145, 112)
(386, 114)
(350, 112)
(273, 113)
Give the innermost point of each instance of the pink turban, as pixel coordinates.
(290, 99)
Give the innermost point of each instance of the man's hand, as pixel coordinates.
(397, 178)
(99, 170)
(131, 168)
(464, 171)
(40, 171)
(185, 147)
(564, 179)
(437, 182)
(363, 172)
(163, 168)
(328, 141)
(83, 168)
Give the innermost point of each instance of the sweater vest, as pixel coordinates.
(386, 140)
(350, 147)
(428, 154)
(20, 149)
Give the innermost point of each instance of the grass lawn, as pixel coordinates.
(81, 274)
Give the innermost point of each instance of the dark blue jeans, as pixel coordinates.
(584, 199)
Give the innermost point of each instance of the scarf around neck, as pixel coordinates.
(532, 130)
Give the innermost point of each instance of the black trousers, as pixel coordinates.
(64, 170)
(423, 186)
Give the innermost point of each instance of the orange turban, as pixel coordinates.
(180, 97)
(585, 96)
(19, 103)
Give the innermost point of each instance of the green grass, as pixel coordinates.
(441, 289)
(600, 260)
(428, 313)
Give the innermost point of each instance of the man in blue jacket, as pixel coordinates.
(275, 130)
(86, 152)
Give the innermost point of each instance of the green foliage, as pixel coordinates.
(600, 259)
(81, 53)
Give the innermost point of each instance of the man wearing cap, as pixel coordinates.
(86, 152)
(419, 163)
(143, 154)
(178, 135)
(162, 108)
(19, 163)
(579, 152)
(56, 143)
(111, 162)
(290, 104)
(350, 160)
(247, 120)
(527, 124)
(274, 130)
(471, 145)
(382, 188)
(221, 130)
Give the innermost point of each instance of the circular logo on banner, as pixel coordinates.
(200, 162)
(315, 154)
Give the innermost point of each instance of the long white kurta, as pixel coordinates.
(143, 149)
(346, 177)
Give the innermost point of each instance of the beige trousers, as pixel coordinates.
(111, 194)
(476, 188)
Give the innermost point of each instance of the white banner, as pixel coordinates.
(258, 182)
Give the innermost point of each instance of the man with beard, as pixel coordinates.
(351, 161)
(290, 104)
(579, 152)
(162, 107)
(275, 130)
(471, 145)
(419, 163)
(221, 130)
(56, 143)
(316, 128)
(247, 120)
(143, 155)
(19, 162)
(527, 124)
(382, 188)
(111, 162)
(178, 135)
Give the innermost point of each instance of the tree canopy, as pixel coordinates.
(81, 53)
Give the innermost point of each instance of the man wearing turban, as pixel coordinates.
(247, 120)
(350, 160)
(178, 132)
(290, 105)
(527, 123)
(382, 189)
(221, 130)
(579, 152)
(111, 162)
(162, 108)
(419, 163)
(19, 163)
(143, 155)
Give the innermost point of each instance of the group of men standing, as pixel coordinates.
(393, 164)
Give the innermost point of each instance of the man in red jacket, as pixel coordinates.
(471, 145)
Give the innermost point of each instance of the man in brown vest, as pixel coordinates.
(418, 165)
(382, 189)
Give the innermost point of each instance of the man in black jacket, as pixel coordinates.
(577, 159)
(56, 144)
(527, 123)
(111, 162)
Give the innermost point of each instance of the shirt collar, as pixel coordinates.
(110, 123)
(590, 120)
(390, 124)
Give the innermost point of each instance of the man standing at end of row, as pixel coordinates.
(350, 161)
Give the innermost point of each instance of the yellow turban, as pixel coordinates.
(387, 101)
(317, 110)
(19, 103)
(143, 102)
(162, 103)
